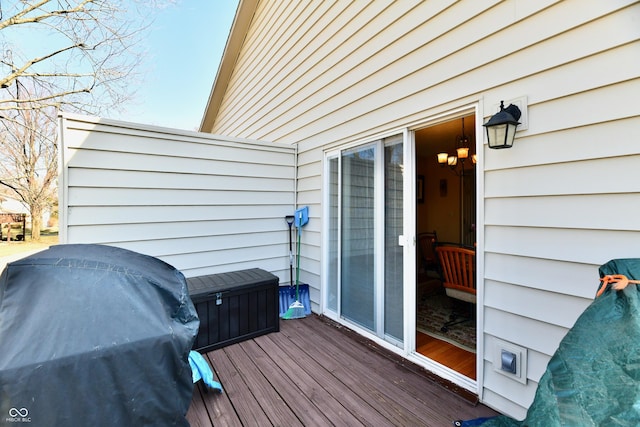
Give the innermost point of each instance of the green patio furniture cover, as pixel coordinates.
(593, 379)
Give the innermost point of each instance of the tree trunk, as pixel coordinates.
(36, 222)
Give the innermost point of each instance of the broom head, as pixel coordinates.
(295, 311)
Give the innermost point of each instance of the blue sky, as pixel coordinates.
(184, 48)
(184, 43)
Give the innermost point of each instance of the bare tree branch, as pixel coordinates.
(21, 17)
(90, 59)
(22, 71)
(88, 64)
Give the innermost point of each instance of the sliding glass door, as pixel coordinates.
(364, 258)
(357, 291)
(393, 252)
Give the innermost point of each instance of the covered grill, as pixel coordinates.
(95, 335)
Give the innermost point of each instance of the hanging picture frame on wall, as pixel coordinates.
(420, 189)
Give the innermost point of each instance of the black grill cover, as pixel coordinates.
(94, 335)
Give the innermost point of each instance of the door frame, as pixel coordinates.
(408, 241)
(378, 334)
(410, 267)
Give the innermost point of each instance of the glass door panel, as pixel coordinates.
(393, 252)
(357, 294)
(364, 220)
(332, 241)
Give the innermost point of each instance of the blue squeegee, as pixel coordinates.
(301, 218)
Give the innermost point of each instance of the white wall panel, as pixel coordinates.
(149, 196)
(591, 211)
(201, 203)
(565, 244)
(523, 331)
(559, 309)
(555, 276)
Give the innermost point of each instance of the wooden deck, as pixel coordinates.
(315, 372)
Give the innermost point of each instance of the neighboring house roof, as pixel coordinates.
(11, 217)
(241, 22)
(12, 206)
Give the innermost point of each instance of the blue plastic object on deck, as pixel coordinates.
(471, 423)
(287, 296)
(200, 370)
(301, 218)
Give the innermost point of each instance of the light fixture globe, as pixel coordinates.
(442, 158)
(501, 127)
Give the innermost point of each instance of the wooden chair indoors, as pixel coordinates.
(458, 270)
(427, 246)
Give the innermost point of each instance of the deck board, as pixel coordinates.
(358, 371)
(313, 372)
(342, 404)
(244, 402)
(304, 392)
(218, 406)
(198, 415)
(268, 397)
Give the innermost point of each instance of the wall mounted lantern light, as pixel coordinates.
(501, 127)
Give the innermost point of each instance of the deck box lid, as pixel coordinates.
(202, 286)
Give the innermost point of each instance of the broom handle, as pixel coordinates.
(290, 258)
(297, 265)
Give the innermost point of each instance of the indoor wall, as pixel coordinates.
(438, 206)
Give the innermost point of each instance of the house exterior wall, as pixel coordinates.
(202, 203)
(319, 74)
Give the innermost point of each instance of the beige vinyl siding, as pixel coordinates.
(555, 207)
(202, 203)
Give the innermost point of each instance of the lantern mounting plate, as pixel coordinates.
(522, 104)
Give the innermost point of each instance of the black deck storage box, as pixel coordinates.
(234, 307)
